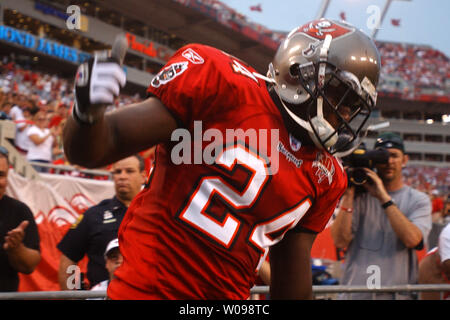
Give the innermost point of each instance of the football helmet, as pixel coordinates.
(321, 69)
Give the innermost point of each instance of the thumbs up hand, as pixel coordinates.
(98, 82)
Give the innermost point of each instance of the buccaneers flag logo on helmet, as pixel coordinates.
(320, 28)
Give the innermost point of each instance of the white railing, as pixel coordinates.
(59, 168)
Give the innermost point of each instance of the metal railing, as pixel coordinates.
(59, 168)
(317, 290)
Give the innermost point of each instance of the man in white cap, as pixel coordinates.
(113, 259)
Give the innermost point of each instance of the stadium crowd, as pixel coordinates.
(417, 68)
(25, 94)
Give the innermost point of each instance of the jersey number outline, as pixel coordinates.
(224, 231)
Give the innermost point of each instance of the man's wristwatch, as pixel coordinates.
(387, 204)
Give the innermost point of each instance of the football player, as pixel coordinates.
(202, 231)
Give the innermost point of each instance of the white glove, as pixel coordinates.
(98, 82)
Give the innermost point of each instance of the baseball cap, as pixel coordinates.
(111, 245)
(389, 140)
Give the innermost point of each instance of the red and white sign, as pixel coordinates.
(56, 202)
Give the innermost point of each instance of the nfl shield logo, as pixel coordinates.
(295, 144)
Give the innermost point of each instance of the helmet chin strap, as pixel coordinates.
(323, 128)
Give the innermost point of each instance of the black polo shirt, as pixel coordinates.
(12, 213)
(91, 234)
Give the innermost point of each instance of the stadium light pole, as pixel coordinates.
(383, 15)
(323, 8)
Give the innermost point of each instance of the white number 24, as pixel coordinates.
(224, 231)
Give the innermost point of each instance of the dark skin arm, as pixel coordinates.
(63, 276)
(446, 268)
(118, 134)
(290, 267)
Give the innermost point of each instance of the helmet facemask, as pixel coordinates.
(342, 106)
(337, 105)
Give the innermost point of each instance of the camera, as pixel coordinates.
(360, 159)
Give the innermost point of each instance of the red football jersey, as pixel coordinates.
(200, 229)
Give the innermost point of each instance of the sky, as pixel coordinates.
(421, 21)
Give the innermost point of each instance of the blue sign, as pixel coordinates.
(50, 10)
(43, 45)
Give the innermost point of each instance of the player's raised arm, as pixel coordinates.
(118, 134)
(93, 138)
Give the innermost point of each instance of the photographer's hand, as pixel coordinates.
(375, 186)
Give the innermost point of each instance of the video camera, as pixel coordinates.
(361, 158)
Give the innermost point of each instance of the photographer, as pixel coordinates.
(382, 226)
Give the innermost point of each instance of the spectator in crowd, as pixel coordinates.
(19, 237)
(446, 210)
(437, 217)
(42, 141)
(2, 94)
(16, 111)
(113, 259)
(5, 109)
(434, 268)
(437, 205)
(100, 224)
(61, 113)
(58, 149)
(383, 226)
(426, 178)
(21, 140)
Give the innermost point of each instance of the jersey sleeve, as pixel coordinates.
(192, 84)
